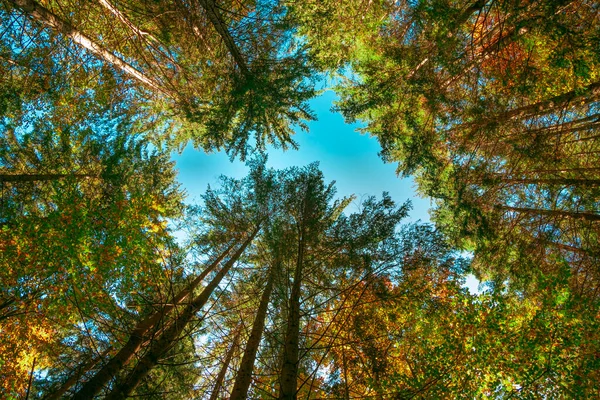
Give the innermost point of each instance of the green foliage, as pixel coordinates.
(491, 106)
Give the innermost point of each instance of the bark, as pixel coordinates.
(215, 18)
(153, 42)
(244, 375)
(545, 181)
(554, 213)
(565, 247)
(40, 177)
(472, 9)
(489, 50)
(121, 17)
(345, 366)
(170, 336)
(562, 171)
(581, 97)
(139, 335)
(289, 370)
(47, 17)
(589, 94)
(73, 379)
(221, 377)
(462, 18)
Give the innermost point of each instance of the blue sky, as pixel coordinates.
(346, 156)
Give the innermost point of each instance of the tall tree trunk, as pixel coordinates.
(244, 375)
(554, 213)
(41, 177)
(583, 96)
(289, 370)
(139, 335)
(543, 181)
(47, 17)
(73, 379)
(170, 336)
(215, 18)
(345, 366)
(221, 377)
(460, 20)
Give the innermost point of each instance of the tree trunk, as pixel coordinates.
(462, 18)
(289, 370)
(139, 335)
(42, 14)
(244, 375)
(215, 18)
(170, 336)
(40, 177)
(73, 379)
(544, 181)
(580, 97)
(221, 377)
(345, 366)
(554, 213)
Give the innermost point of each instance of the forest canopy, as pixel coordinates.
(113, 285)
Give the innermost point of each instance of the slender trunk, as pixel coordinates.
(143, 36)
(557, 129)
(551, 134)
(583, 96)
(215, 18)
(289, 370)
(580, 97)
(489, 50)
(345, 366)
(41, 177)
(562, 246)
(30, 379)
(554, 213)
(462, 18)
(221, 377)
(472, 9)
(544, 181)
(561, 171)
(73, 379)
(139, 335)
(170, 336)
(121, 17)
(244, 375)
(584, 139)
(42, 14)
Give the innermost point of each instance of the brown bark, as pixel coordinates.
(221, 377)
(462, 18)
(545, 181)
(73, 379)
(345, 366)
(139, 335)
(215, 18)
(244, 375)
(562, 170)
(554, 213)
(584, 96)
(170, 336)
(42, 14)
(289, 370)
(40, 177)
(565, 247)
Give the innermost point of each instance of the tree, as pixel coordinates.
(83, 221)
(492, 106)
(212, 74)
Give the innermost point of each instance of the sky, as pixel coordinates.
(344, 155)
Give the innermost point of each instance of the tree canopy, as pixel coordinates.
(271, 286)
